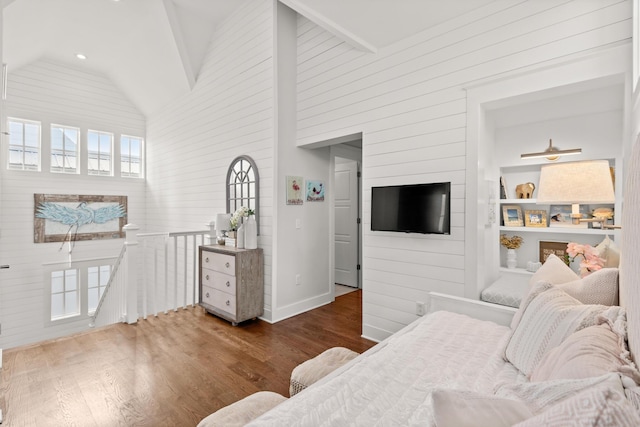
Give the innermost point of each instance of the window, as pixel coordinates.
(99, 148)
(97, 279)
(24, 145)
(131, 156)
(65, 294)
(65, 148)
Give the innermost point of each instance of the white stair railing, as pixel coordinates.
(113, 296)
(155, 273)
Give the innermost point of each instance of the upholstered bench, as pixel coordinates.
(312, 370)
(243, 411)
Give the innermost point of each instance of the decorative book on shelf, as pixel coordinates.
(503, 188)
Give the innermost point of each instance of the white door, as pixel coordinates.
(346, 222)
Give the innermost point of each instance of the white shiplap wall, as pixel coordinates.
(409, 103)
(57, 93)
(229, 112)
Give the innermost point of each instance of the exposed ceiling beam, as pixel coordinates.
(181, 45)
(330, 26)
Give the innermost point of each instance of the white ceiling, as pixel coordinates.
(153, 49)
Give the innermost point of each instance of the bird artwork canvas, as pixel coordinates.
(315, 191)
(70, 218)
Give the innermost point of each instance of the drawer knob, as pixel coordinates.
(207, 277)
(226, 265)
(228, 302)
(228, 284)
(207, 294)
(206, 259)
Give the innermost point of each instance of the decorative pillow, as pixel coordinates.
(457, 408)
(553, 271)
(591, 352)
(547, 317)
(600, 287)
(610, 252)
(538, 396)
(595, 407)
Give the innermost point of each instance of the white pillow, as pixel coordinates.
(458, 408)
(595, 407)
(547, 317)
(599, 287)
(591, 352)
(610, 252)
(553, 271)
(538, 396)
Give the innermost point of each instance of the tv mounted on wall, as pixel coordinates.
(417, 208)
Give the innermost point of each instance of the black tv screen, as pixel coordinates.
(417, 208)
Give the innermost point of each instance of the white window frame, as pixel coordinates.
(69, 312)
(82, 268)
(103, 274)
(100, 155)
(23, 147)
(64, 168)
(125, 156)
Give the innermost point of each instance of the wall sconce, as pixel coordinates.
(551, 153)
(576, 183)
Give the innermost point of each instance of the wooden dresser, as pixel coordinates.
(232, 282)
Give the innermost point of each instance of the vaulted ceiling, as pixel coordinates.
(153, 49)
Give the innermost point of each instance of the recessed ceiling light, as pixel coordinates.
(81, 56)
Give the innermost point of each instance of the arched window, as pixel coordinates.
(243, 186)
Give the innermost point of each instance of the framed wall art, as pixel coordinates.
(315, 191)
(512, 216)
(62, 217)
(559, 249)
(560, 216)
(294, 190)
(535, 218)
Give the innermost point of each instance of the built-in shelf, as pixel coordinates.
(515, 271)
(557, 230)
(518, 201)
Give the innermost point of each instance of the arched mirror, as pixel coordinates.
(243, 186)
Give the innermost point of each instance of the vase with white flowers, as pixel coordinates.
(242, 233)
(511, 243)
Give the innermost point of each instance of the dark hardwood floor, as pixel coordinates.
(172, 370)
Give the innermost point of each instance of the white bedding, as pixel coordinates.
(440, 350)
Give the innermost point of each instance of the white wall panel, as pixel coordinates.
(228, 113)
(51, 92)
(408, 101)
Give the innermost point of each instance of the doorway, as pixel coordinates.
(347, 160)
(347, 223)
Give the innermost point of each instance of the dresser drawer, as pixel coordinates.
(223, 301)
(220, 281)
(207, 295)
(219, 262)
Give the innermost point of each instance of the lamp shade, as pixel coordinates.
(223, 222)
(576, 182)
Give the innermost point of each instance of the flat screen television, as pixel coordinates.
(417, 208)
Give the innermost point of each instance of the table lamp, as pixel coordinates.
(575, 183)
(223, 224)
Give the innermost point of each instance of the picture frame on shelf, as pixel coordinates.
(512, 216)
(558, 249)
(535, 218)
(560, 216)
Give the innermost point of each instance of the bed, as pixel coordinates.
(564, 357)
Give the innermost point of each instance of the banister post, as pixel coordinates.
(132, 255)
(212, 234)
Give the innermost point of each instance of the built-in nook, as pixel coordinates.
(581, 103)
